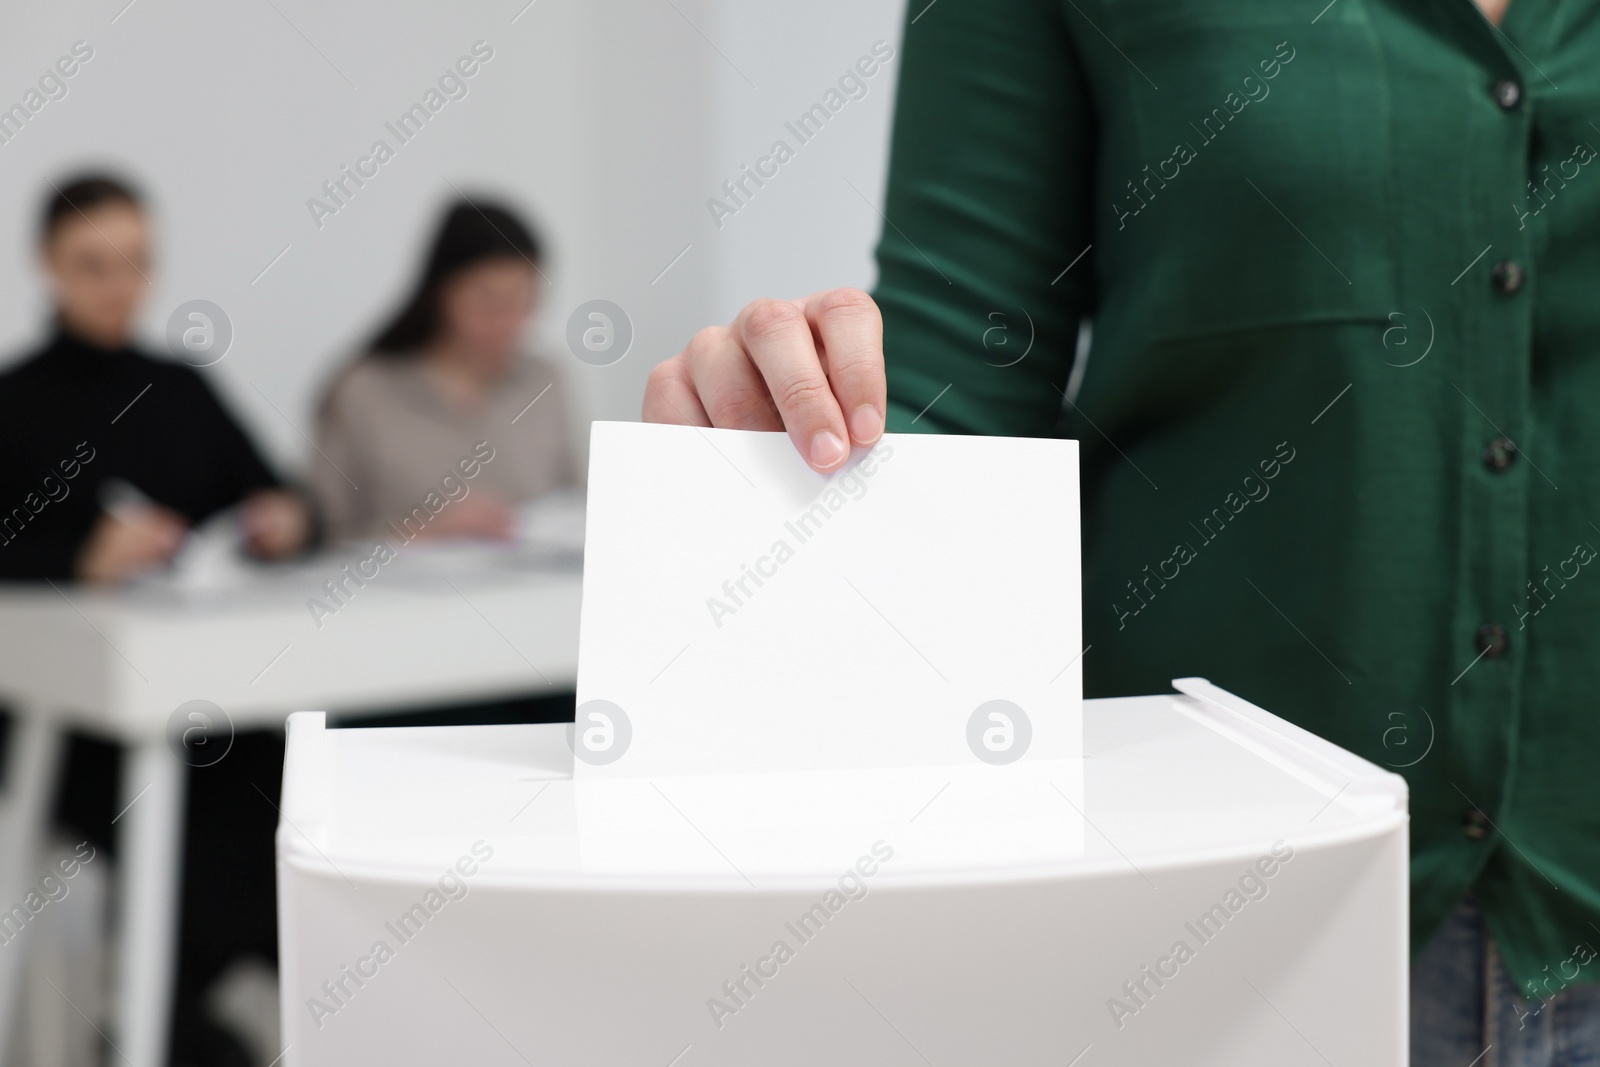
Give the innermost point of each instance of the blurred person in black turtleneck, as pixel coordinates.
(90, 408)
(81, 421)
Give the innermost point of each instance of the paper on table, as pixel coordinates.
(742, 613)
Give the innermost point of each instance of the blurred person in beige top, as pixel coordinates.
(446, 427)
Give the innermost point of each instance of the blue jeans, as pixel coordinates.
(1466, 1013)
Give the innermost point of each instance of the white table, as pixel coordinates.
(430, 629)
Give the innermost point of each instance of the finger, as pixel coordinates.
(170, 530)
(778, 338)
(669, 396)
(731, 390)
(166, 517)
(170, 540)
(850, 328)
(147, 525)
(151, 547)
(255, 516)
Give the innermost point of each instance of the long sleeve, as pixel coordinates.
(76, 418)
(239, 468)
(30, 550)
(568, 472)
(988, 204)
(336, 470)
(541, 435)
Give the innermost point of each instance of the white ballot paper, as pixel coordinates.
(744, 614)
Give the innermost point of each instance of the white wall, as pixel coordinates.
(806, 229)
(611, 122)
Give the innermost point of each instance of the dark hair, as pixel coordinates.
(69, 199)
(472, 232)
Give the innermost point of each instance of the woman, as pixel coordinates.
(446, 426)
(1349, 243)
(90, 415)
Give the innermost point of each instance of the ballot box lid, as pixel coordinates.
(1195, 777)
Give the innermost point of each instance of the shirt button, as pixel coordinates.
(1508, 94)
(1476, 825)
(1499, 453)
(1492, 640)
(1508, 275)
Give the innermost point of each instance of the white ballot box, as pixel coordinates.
(1202, 883)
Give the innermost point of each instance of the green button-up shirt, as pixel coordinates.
(1338, 404)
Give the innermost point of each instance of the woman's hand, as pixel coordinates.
(275, 523)
(129, 542)
(480, 517)
(813, 367)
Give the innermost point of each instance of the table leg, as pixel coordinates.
(150, 851)
(30, 773)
